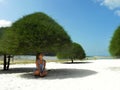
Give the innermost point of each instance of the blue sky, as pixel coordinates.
(89, 22)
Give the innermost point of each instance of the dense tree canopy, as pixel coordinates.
(115, 43)
(34, 33)
(74, 51)
(2, 29)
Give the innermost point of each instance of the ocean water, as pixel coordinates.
(29, 57)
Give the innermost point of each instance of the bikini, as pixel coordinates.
(41, 66)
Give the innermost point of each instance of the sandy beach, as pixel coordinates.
(87, 75)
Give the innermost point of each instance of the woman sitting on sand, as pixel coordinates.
(40, 65)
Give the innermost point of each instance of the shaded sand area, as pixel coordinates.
(87, 75)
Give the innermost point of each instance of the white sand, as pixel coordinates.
(93, 75)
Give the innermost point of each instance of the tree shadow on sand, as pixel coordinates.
(27, 73)
(17, 70)
(62, 74)
(77, 62)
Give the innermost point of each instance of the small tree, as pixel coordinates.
(75, 51)
(2, 31)
(32, 34)
(114, 47)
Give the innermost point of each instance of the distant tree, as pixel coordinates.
(74, 51)
(32, 34)
(114, 47)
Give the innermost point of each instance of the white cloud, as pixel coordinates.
(111, 4)
(5, 23)
(117, 12)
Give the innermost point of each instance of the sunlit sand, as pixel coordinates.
(87, 75)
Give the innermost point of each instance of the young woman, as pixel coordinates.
(40, 65)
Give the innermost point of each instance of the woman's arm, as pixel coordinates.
(44, 64)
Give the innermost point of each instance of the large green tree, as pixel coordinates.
(34, 33)
(74, 51)
(115, 43)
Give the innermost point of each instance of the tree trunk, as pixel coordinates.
(8, 63)
(4, 65)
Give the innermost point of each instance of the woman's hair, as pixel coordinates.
(38, 54)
